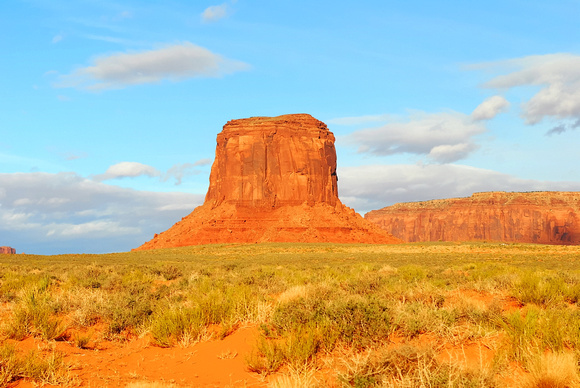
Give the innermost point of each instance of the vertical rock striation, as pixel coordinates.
(534, 217)
(270, 162)
(273, 179)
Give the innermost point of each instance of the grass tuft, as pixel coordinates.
(553, 370)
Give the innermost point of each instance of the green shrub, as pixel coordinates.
(34, 315)
(412, 273)
(522, 333)
(540, 290)
(50, 370)
(127, 311)
(267, 358)
(10, 365)
(172, 325)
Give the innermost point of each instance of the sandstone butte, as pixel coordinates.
(7, 250)
(532, 217)
(273, 180)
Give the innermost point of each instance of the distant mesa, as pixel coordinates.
(548, 217)
(7, 250)
(273, 180)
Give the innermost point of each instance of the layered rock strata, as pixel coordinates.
(532, 217)
(7, 250)
(273, 179)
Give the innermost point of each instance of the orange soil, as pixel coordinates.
(214, 363)
(221, 363)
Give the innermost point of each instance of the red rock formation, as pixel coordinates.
(7, 250)
(273, 179)
(534, 217)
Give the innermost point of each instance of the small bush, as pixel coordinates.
(168, 271)
(34, 314)
(406, 366)
(542, 291)
(51, 370)
(10, 365)
(553, 370)
(411, 273)
(268, 357)
(300, 347)
(127, 311)
(173, 325)
(356, 320)
(521, 330)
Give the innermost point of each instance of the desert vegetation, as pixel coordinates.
(430, 314)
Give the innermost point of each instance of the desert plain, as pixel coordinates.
(294, 315)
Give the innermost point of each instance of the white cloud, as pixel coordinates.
(91, 228)
(65, 213)
(442, 137)
(373, 187)
(557, 75)
(57, 38)
(175, 63)
(448, 153)
(135, 169)
(203, 162)
(214, 13)
(490, 108)
(179, 171)
(127, 170)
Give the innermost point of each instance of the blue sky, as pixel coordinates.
(109, 109)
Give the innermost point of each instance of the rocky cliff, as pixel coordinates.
(7, 250)
(270, 162)
(273, 179)
(533, 217)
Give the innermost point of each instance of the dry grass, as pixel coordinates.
(304, 377)
(553, 370)
(312, 301)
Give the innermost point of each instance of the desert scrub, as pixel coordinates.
(301, 327)
(521, 329)
(208, 302)
(35, 314)
(406, 366)
(167, 271)
(296, 349)
(93, 276)
(127, 311)
(12, 281)
(557, 370)
(177, 325)
(44, 370)
(540, 289)
(10, 365)
(353, 319)
(313, 301)
(85, 306)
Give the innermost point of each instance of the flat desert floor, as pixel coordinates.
(294, 315)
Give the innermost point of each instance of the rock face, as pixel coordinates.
(7, 250)
(273, 179)
(533, 217)
(270, 162)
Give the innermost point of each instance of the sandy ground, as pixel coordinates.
(221, 363)
(213, 363)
